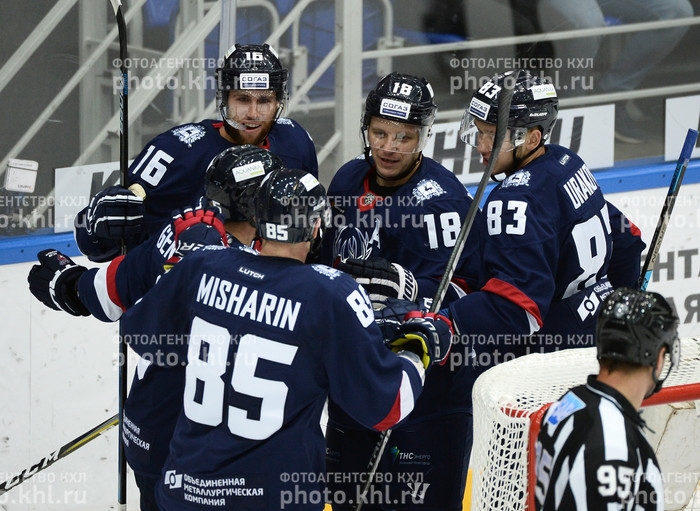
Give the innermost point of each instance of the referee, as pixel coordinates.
(591, 451)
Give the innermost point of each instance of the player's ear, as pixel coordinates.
(660, 358)
(317, 227)
(534, 137)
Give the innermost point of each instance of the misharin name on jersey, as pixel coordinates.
(270, 309)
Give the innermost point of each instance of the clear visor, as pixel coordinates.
(252, 106)
(398, 137)
(482, 138)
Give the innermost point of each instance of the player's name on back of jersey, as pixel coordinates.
(265, 308)
(580, 186)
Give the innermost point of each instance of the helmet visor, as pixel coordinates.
(255, 106)
(483, 135)
(386, 135)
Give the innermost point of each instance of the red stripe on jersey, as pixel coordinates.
(635, 230)
(392, 417)
(112, 282)
(514, 295)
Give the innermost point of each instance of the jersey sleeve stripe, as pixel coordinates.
(403, 405)
(516, 296)
(106, 290)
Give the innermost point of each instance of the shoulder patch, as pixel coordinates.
(285, 120)
(189, 133)
(329, 272)
(427, 189)
(521, 178)
(566, 406)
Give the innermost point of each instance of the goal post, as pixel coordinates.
(510, 400)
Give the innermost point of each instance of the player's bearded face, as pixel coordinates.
(395, 147)
(252, 113)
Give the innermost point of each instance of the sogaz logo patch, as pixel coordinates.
(479, 109)
(257, 81)
(394, 108)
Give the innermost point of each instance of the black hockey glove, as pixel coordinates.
(196, 228)
(428, 335)
(381, 278)
(54, 282)
(115, 213)
(390, 313)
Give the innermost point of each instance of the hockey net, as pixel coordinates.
(511, 398)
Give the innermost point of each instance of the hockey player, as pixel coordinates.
(154, 401)
(169, 171)
(266, 339)
(591, 452)
(396, 204)
(548, 234)
(393, 202)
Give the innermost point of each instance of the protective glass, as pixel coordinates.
(398, 137)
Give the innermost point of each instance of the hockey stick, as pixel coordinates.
(667, 209)
(64, 451)
(123, 169)
(504, 100)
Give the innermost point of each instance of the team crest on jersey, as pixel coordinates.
(352, 243)
(331, 273)
(521, 178)
(427, 189)
(189, 134)
(568, 404)
(366, 201)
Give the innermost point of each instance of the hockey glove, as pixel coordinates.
(54, 282)
(428, 335)
(380, 278)
(115, 213)
(390, 313)
(196, 228)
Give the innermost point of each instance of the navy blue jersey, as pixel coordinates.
(415, 226)
(155, 396)
(547, 245)
(626, 261)
(266, 340)
(171, 169)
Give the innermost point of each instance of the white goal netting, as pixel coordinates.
(508, 404)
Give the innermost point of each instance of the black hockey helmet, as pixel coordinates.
(401, 98)
(288, 204)
(251, 67)
(534, 105)
(233, 177)
(634, 325)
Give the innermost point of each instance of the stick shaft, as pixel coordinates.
(60, 453)
(655, 245)
(123, 181)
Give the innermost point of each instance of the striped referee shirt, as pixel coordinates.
(591, 454)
